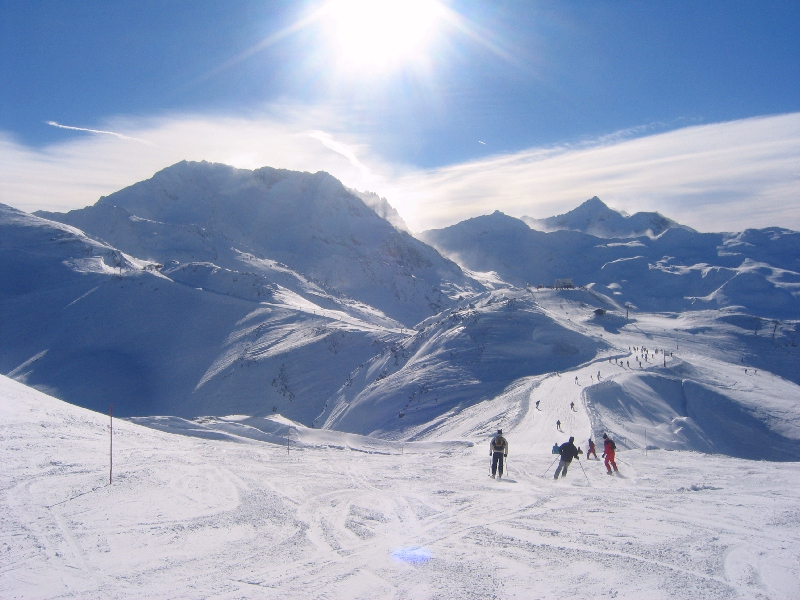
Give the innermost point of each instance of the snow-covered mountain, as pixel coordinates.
(596, 218)
(455, 360)
(205, 212)
(678, 270)
(210, 291)
(93, 325)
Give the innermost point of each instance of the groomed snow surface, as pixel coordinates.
(228, 515)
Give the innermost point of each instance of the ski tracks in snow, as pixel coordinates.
(190, 517)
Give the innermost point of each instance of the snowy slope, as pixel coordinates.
(678, 382)
(94, 326)
(455, 360)
(205, 212)
(675, 271)
(595, 218)
(345, 517)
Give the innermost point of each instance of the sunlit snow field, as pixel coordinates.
(340, 516)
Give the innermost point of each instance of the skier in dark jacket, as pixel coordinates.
(498, 450)
(568, 451)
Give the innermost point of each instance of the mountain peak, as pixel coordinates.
(215, 213)
(596, 218)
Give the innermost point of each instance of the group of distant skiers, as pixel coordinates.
(498, 450)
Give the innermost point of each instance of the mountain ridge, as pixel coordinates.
(680, 269)
(596, 218)
(309, 222)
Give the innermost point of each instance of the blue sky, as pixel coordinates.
(491, 81)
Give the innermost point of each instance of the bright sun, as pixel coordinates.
(382, 33)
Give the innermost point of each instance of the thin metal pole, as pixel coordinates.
(584, 472)
(551, 464)
(111, 444)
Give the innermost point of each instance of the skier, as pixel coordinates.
(591, 450)
(498, 450)
(576, 380)
(568, 451)
(572, 406)
(558, 425)
(537, 404)
(598, 376)
(609, 449)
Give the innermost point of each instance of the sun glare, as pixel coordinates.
(382, 33)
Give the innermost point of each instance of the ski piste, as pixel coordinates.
(366, 502)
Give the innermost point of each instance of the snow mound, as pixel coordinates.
(277, 429)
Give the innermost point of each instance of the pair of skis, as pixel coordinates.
(579, 464)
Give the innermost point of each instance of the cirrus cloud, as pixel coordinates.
(722, 176)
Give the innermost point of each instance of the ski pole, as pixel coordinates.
(551, 464)
(584, 472)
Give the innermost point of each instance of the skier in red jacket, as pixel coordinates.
(591, 450)
(609, 449)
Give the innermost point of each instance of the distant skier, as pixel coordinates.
(629, 363)
(598, 376)
(576, 380)
(609, 450)
(567, 451)
(558, 425)
(591, 450)
(537, 404)
(498, 450)
(572, 406)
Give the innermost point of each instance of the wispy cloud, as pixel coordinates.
(349, 153)
(724, 176)
(100, 131)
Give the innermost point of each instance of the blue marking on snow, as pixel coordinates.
(414, 555)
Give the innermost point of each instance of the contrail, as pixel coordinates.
(114, 133)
